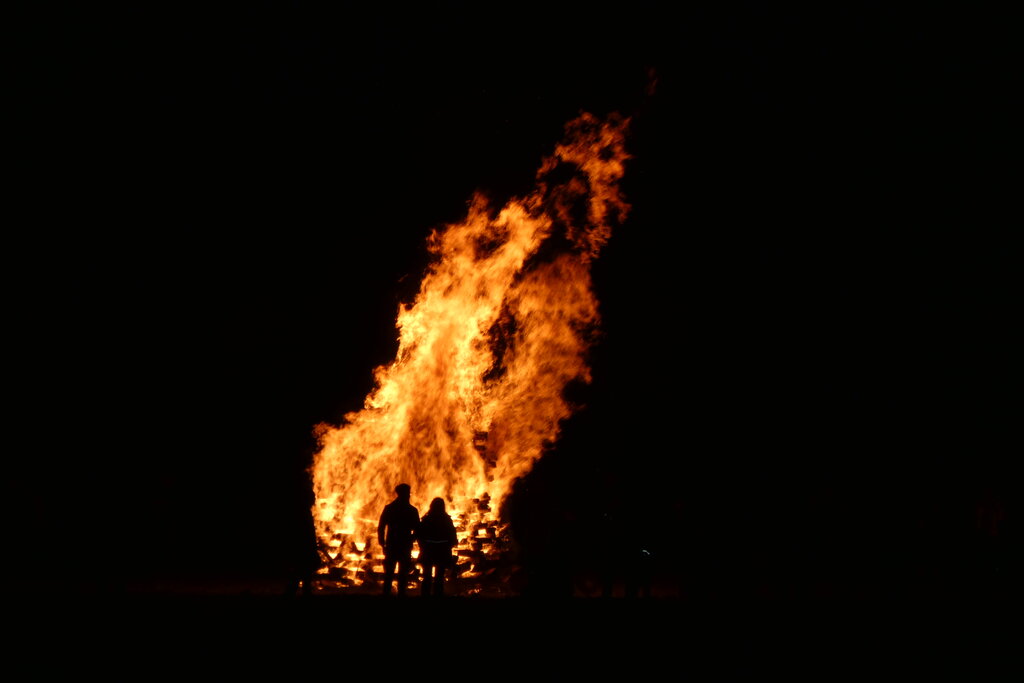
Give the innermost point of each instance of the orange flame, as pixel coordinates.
(501, 324)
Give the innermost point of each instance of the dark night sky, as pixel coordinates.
(806, 314)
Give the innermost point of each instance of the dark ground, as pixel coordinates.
(159, 637)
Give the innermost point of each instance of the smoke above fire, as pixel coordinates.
(502, 323)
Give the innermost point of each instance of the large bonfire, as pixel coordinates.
(502, 323)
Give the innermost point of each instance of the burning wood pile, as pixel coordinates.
(502, 323)
(484, 558)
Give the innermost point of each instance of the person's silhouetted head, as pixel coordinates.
(403, 490)
(437, 506)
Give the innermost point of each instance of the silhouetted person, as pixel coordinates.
(396, 532)
(436, 538)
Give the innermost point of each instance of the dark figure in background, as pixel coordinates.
(396, 532)
(436, 539)
(627, 556)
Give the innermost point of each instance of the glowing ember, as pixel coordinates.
(501, 324)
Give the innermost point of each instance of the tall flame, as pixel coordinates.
(501, 325)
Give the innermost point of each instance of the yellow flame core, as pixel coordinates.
(498, 329)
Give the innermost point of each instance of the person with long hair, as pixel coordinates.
(436, 538)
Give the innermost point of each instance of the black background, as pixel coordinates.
(804, 380)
